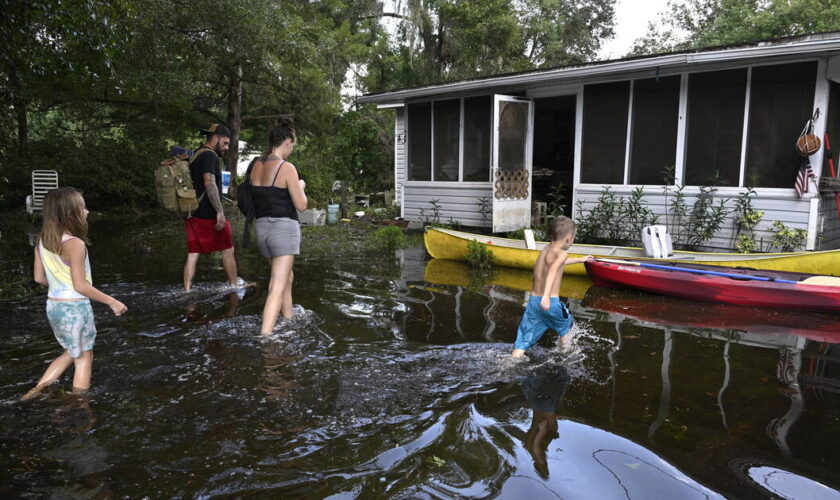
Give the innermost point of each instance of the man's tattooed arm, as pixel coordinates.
(212, 192)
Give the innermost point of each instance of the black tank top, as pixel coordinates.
(273, 201)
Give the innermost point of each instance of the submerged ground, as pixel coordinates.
(393, 381)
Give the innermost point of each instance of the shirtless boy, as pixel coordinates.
(544, 309)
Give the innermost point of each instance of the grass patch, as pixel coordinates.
(388, 239)
(479, 256)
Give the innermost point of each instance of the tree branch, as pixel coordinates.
(264, 117)
(386, 14)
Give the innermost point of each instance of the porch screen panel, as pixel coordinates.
(420, 142)
(477, 112)
(715, 127)
(781, 100)
(447, 117)
(604, 132)
(655, 119)
(513, 133)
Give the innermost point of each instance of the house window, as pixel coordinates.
(656, 105)
(781, 101)
(715, 127)
(420, 142)
(604, 132)
(447, 130)
(477, 139)
(434, 140)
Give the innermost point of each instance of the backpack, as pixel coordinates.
(245, 202)
(174, 185)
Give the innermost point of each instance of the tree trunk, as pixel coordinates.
(20, 114)
(234, 119)
(23, 128)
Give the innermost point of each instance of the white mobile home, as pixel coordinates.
(736, 111)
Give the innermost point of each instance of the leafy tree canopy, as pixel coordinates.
(443, 40)
(690, 24)
(100, 91)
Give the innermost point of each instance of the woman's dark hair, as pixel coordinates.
(284, 129)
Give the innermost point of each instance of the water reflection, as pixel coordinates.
(394, 381)
(667, 348)
(203, 311)
(543, 390)
(788, 485)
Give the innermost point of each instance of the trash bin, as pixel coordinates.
(225, 181)
(332, 213)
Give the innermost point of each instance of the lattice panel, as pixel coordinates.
(511, 184)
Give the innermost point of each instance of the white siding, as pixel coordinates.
(458, 201)
(400, 140)
(828, 224)
(791, 211)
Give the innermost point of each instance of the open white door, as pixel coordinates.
(513, 119)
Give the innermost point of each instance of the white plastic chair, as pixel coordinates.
(42, 182)
(656, 241)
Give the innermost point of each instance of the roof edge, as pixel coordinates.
(816, 42)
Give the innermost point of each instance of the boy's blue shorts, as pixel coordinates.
(535, 322)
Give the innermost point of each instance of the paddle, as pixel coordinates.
(695, 271)
(813, 280)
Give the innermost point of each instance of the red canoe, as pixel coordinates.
(747, 287)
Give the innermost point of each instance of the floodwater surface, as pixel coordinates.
(393, 381)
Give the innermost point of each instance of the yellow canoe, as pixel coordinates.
(452, 245)
(450, 272)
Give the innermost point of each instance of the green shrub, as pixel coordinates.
(786, 239)
(479, 256)
(746, 244)
(388, 238)
(615, 219)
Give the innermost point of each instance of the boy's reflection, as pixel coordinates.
(543, 388)
(194, 314)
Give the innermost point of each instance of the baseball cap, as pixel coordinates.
(217, 128)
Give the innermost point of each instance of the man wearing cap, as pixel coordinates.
(207, 230)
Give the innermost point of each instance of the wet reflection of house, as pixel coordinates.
(724, 392)
(709, 399)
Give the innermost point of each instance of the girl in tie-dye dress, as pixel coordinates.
(61, 263)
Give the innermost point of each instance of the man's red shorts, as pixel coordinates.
(202, 236)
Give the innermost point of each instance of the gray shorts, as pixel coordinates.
(278, 236)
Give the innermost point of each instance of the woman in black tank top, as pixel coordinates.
(278, 195)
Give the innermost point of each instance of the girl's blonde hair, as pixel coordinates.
(63, 212)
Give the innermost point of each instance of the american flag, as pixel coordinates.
(802, 177)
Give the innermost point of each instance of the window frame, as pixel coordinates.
(461, 122)
(820, 101)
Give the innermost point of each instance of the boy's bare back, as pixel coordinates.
(548, 256)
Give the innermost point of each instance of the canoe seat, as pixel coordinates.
(530, 243)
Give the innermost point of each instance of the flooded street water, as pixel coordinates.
(393, 381)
